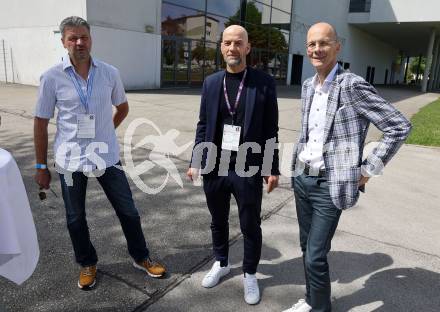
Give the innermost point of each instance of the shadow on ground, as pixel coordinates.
(385, 289)
(175, 223)
(169, 219)
(397, 290)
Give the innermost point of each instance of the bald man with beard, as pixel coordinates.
(238, 117)
(328, 167)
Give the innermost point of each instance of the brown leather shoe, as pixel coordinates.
(154, 269)
(87, 277)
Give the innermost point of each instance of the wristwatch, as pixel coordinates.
(40, 166)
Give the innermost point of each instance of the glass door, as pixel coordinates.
(183, 62)
(186, 62)
(168, 62)
(176, 61)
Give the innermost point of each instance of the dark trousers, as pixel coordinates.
(318, 218)
(248, 193)
(115, 185)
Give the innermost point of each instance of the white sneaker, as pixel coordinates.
(251, 290)
(300, 306)
(215, 274)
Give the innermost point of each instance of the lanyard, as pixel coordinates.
(237, 100)
(83, 97)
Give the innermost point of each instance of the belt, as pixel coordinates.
(309, 171)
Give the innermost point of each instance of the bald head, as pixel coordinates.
(235, 46)
(323, 48)
(324, 28)
(236, 30)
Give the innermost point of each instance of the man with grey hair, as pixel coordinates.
(84, 90)
(329, 170)
(238, 108)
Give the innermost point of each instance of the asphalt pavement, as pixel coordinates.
(385, 255)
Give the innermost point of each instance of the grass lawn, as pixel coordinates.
(426, 126)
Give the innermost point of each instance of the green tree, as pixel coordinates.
(197, 53)
(211, 54)
(259, 34)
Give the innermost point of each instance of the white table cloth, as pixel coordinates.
(19, 251)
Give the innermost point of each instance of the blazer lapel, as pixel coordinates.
(250, 101)
(214, 96)
(332, 103)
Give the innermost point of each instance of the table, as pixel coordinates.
(19, 250)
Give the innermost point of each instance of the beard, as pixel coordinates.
(233, 61)
(81, 55)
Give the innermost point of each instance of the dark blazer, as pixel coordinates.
(260, 122)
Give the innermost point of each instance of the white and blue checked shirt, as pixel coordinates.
(312, 153)
(58, 91)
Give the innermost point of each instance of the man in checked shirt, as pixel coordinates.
(337, 109)
(84, 91)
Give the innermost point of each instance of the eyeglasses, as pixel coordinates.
(324, 44)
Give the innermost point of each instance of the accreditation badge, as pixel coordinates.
(231, 137)
(85, 126)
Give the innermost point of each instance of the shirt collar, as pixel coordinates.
(327, 81)
(67, 63)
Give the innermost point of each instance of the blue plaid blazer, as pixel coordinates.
(352, 105)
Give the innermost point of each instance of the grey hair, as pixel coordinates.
(73, 21)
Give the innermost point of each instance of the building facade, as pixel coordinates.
(176, 43)
(191, 33)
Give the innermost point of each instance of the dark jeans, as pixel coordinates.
(115, 186)
(248, 193)
(318, 218)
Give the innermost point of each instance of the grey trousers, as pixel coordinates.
(318, 218)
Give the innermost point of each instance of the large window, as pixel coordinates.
(281, 19)
(182, 22)
(285, 5)
(193, 4)
(359, 6)
(192, 30)
(230, 8)
(257, 13)
(216, 24)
